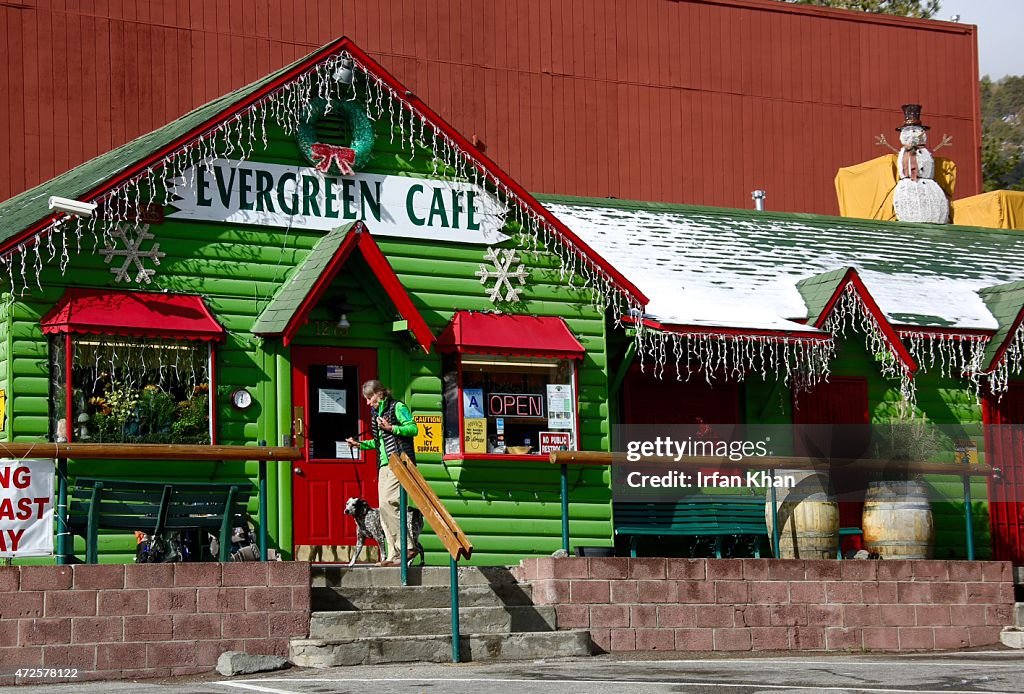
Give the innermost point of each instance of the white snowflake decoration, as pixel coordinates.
(502, 259)
(132, 254)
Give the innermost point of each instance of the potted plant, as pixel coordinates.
(897, 519)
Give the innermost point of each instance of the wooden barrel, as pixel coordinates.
(808, 517)
(898, 521)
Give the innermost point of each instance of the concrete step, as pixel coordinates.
(321, 653)
(383, 577)
(1018, 614)
(433, 620)
(1018, 575)
(326, 599)
(1012, 637)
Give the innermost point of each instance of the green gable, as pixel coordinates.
(818, 290)
(282, 308)
(1005, 302)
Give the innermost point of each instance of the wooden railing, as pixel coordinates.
(771, 463)
(61, 452)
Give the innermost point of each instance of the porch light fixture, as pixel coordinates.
(72, 207)
(342, 307)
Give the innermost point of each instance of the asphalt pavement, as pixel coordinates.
(944, 673)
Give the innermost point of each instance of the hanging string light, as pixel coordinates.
(802, 362)
(851, 313)
(289, 106)
(1011, 362)
(953, 355)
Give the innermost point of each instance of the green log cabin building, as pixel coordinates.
(250, 264)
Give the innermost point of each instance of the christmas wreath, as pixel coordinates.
(331, 158)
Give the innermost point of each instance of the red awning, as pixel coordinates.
(524, 336)
(132, 314)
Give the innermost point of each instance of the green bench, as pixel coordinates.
(156, 507)
(709, 516)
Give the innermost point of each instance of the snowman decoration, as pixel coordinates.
(917, 198)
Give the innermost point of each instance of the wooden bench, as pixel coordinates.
(156, 507)
(706, 516)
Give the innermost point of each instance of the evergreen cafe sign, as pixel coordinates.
(242, 192)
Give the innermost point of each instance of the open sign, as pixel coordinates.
(515, 405)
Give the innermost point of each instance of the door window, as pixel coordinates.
(333, 400)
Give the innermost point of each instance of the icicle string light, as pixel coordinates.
(713, 356)
(851, 313)
(952, 355)
(1010, 364)
(289, 106)
(135, 363)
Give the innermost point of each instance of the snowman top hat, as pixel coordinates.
(911, 116)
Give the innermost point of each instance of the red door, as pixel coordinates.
(1004, 449)
(326, 385)
(843, 403)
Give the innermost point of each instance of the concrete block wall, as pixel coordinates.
(147, 620)
(654, 604)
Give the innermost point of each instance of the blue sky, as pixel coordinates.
(1000, 25)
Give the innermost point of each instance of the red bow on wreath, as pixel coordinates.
(324, 155)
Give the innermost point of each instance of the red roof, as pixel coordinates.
(524, 336)
(132, 314)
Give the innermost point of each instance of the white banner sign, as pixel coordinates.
(26, 508)
(243, 192)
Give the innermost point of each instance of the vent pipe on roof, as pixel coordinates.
(759, 196)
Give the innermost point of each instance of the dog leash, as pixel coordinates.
(357, 437)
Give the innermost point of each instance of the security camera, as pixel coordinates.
(72, 207)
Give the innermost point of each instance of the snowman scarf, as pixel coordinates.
(910, 167)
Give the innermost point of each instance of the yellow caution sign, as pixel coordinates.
(428, 440)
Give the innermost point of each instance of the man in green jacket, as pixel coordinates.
(392, 430)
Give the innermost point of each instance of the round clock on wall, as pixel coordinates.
(241, 399)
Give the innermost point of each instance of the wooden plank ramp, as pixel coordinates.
(434, 512)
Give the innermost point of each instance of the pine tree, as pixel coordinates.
(1002, 133)
(924, 9)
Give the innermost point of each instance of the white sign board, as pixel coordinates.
(332, 400)
(560, 406)
(26, 508)
(245, 192)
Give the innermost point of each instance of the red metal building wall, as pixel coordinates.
(690, 101)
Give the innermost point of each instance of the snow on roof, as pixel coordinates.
(736, 268)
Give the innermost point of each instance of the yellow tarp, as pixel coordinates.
(1000, 209)
(865, 190)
